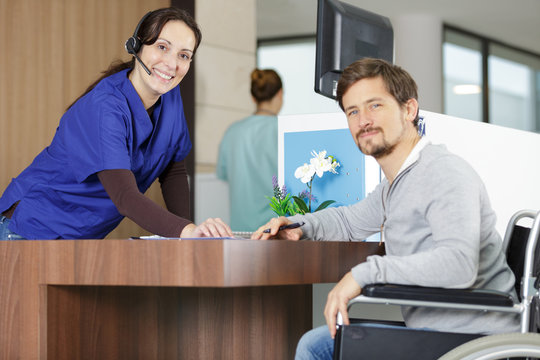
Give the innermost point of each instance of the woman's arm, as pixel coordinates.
(175, 189)
(121, 187)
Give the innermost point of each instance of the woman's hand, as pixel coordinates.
(338, 299)
(273, 225)
(209, 228)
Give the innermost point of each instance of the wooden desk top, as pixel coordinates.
(200, 263)
(197, 263)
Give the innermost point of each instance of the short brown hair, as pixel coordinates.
(265, 83)
(398, 82)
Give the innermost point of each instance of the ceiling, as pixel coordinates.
(515, 23)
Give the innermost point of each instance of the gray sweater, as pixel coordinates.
(439, 230)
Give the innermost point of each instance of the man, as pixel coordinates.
(432, 210)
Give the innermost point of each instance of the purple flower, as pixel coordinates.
(275, 182)
(278, 193)
(284, 191)
(306, 195)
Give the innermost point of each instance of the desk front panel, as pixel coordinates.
(72, 297)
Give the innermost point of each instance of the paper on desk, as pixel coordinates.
(157, 237)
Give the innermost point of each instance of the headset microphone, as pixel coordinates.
(133, 44)
(144, 66)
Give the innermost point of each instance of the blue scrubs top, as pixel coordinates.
(60, 194)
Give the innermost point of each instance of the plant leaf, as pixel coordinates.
(293, 208)
(301, 205)
(325, 204)
(277, 206)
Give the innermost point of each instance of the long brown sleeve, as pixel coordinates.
(121, 187)
(175, 189)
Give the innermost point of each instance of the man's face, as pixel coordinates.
(376, 120)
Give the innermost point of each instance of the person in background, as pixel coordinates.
(113, 142)
(248, 154)
(432, 210)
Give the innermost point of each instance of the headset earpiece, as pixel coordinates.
(133, 44)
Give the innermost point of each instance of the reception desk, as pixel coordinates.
(166, 299)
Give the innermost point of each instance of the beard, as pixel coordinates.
(376, 150)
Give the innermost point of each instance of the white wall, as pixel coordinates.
(295, 62)
(506, 159)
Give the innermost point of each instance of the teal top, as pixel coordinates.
(247, 161)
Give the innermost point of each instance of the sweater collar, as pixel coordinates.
(414, 155)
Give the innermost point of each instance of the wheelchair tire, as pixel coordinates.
(500, 346)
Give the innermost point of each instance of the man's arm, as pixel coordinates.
(345, 223)
(273, 228)
(337, 301)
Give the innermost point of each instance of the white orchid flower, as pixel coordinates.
(321, 155)
(334, 165)
(304, 173)
(320, 165)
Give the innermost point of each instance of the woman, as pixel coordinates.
(248, 154)
(125, 131)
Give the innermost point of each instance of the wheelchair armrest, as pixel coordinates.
(462, 296)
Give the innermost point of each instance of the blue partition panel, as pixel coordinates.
(345, 188)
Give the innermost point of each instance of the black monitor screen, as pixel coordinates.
(345, 34)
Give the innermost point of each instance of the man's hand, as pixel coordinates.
(208, 228)
(273, 225)
(337, 301)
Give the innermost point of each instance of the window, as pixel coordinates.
(513, 88)
(490, 82)
(462, 67)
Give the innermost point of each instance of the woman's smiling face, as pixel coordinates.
(168, 60)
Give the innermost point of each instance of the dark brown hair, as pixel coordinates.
(398, 82)
(265, 84)
(148, 33)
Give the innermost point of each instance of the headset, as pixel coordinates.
(133, 44)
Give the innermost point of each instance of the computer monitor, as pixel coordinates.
(345, 34)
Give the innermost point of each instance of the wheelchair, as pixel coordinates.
(521, 245)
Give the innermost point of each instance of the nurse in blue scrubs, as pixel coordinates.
(248, 154)
(124, 132)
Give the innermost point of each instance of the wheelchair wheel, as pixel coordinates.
(500, 346)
